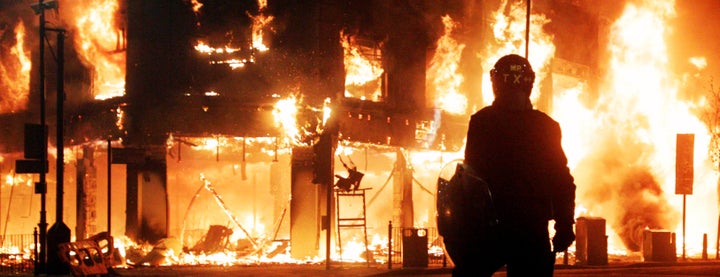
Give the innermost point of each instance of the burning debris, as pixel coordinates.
(215, 240)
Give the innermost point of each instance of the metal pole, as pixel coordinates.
(35, 251)
(59, 232)
(41, 185)
(683, 250)
(328, 222)
(109, 186)
(527, 29)
(59, 131)
(704, 247)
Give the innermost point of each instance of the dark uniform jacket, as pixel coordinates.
(519, 154)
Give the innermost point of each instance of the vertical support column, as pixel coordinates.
(305, 216)
(280, 196)
(153, 200)
(132, 214)
(403, 212)
(86, 194)
(147, 198)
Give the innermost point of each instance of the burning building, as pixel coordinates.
(187, 114)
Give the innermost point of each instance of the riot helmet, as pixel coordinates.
(512, 74)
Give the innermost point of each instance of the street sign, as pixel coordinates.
(30, 166)
(34, 141)
(684, 164)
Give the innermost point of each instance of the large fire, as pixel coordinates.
(363, 70)
(632, 134)
(100, 38)
(620, 141)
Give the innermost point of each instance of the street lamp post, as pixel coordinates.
(41, 185)
(59, 232)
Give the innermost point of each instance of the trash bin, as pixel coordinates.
(415, 247)
(591, 241)
(659, 246)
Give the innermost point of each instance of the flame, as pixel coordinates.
(196, 5)
(15, 75)
(259, 23)
(120, 115)
(699, 62)
(326, 111)
(352, 251)
(630, 131)
(285, 113)
(100, 46)
(509, 34)
(231, 144)
(202, 47)
(10, 179)
(233, 63)
(362, 73)
(443, 72)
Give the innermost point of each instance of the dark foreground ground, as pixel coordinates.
(683, 268)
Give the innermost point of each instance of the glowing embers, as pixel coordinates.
(260, 22)
(227, 55)
(363, 69)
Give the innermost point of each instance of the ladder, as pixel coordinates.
(351, 222)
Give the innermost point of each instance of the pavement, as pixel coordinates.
(628, 265)
(684, 268)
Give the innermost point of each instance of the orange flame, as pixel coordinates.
(633, 126)
(234, 63)
(196, 5)
(362, 73)
(285, 113)
(509, 34)
(259, 23)
(15, 74)
(101, 46)
(443, 75)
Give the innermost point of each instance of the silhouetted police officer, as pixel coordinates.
(517, 151)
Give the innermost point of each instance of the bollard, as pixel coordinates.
(35, 252)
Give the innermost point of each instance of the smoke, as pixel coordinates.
(644, 206)
(618, 184)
